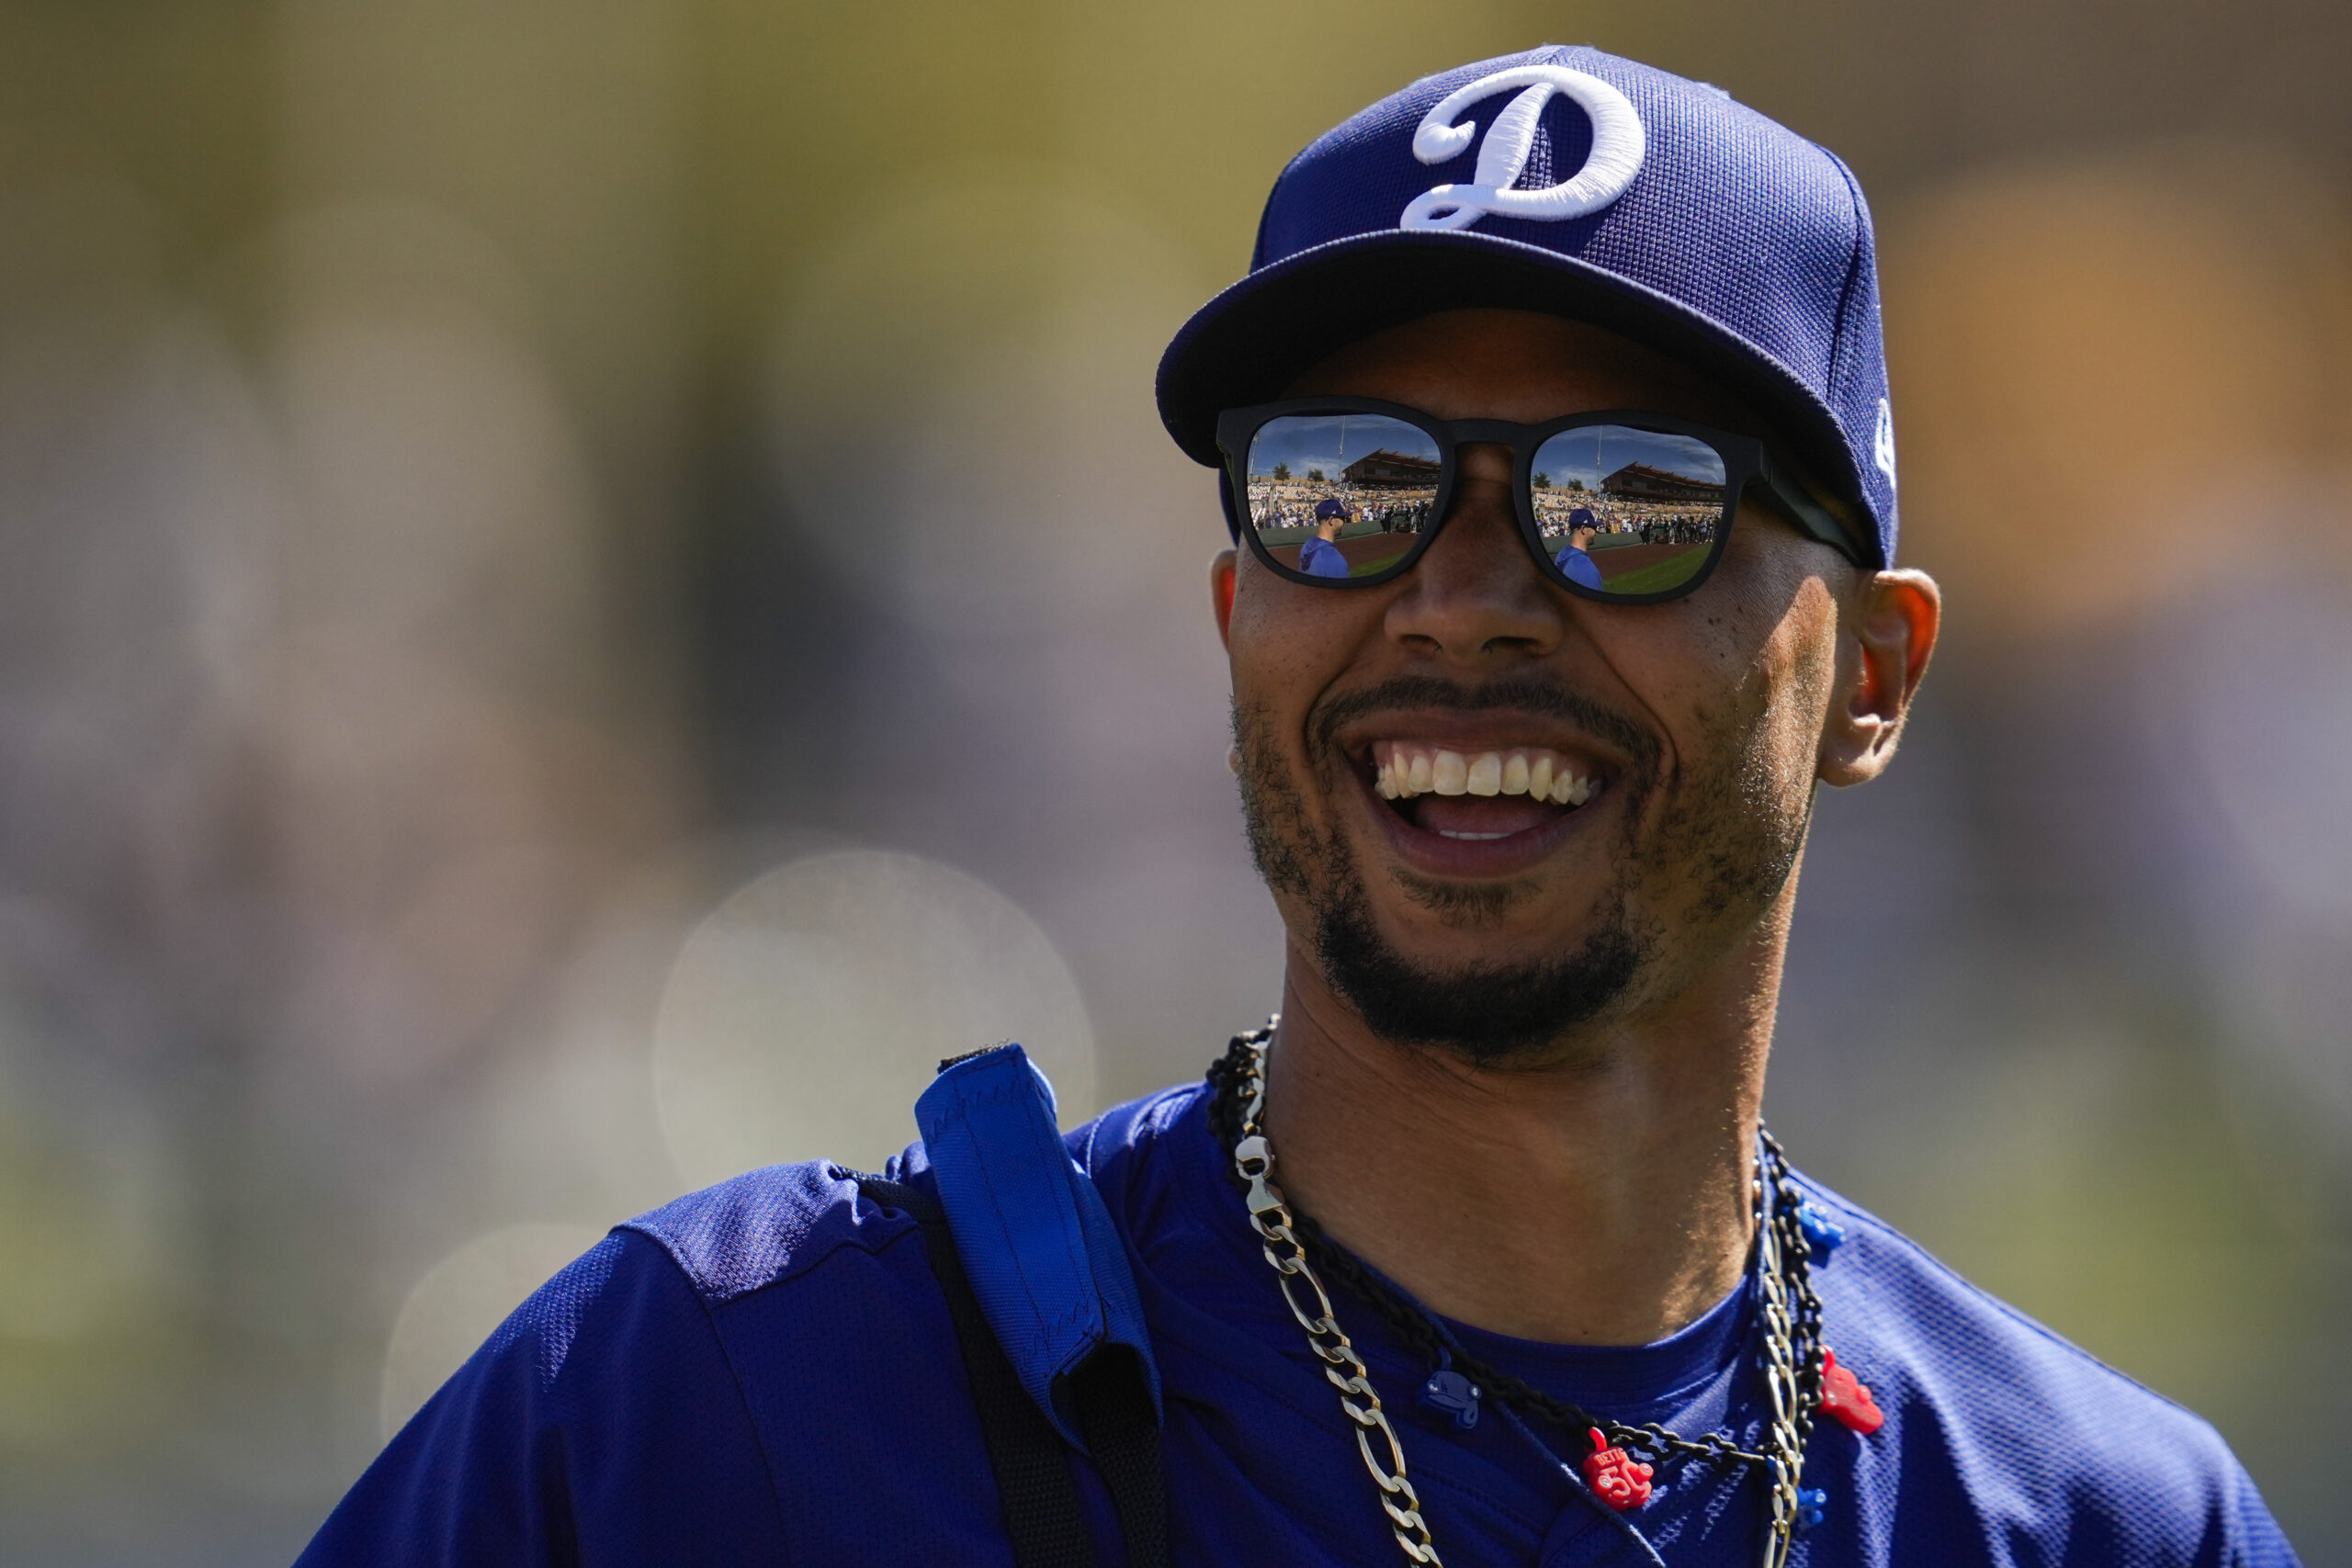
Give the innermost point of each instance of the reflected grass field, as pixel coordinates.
(1667, 571)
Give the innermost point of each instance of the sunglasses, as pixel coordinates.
(1621, 507)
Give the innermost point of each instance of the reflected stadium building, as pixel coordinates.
(1385, 469)
(1639, 481)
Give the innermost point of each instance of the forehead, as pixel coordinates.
(1520, 365)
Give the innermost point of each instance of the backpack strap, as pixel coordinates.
(1045, 1305)
(1032, 1466)
(1123, 1430)
(1037, 1245)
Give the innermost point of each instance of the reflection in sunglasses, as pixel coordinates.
(1341, 495)
(1621, 509)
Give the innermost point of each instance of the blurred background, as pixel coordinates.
(543, 661)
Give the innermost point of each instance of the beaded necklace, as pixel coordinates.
(1802, 1376)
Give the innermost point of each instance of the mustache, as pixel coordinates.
(1515, 694)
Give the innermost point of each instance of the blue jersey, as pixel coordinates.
(1320, 558)
(765, 1372)
(1576, 566)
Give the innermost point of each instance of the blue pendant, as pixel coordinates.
(1449, 1393)
(1813, 1502)
(1822, 1233)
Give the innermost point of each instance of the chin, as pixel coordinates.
(1468, 999)
(1441, 921)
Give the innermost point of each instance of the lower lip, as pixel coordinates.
(1437, 855)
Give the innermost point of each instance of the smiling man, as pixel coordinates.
(1480, 1254)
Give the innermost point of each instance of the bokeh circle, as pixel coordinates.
(806, 1014)
(458, 1301)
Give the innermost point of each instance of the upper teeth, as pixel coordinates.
(1408, 770)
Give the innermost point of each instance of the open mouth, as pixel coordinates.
(1479, 796)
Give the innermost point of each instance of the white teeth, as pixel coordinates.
(1406, 769)
(1569, 790)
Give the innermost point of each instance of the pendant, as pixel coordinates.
(1822, 1233)
(1813, 1502)
(1847, 1398)
(1449, 1393)
(1616, 1477)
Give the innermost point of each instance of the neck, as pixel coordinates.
(1598, 1196)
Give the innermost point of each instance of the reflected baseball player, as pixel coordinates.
(1319, 555)
(1574, 557)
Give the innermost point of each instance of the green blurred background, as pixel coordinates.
(582, 583)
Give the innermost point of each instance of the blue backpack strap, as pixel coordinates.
(1051, 1279)
(1036, 1243)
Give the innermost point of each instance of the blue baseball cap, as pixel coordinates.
(1327, 507)
(1572, 182)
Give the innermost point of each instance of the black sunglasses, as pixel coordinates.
(1622, 507)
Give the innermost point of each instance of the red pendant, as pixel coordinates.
(1615, 1476)
(1848, 1399)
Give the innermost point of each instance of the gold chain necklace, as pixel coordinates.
(1792, 1317)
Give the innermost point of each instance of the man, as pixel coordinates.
(1480, 1256)
(1319, 555)
(1574, 559)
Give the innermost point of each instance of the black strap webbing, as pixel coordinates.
(1032, 1465)
(1115, 1411)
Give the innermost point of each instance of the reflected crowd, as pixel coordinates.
(1283, 512)
(1274, 506)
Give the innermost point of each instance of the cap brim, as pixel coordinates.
(1253, 340)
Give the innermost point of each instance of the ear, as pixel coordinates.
(1221, 576)
(1882, 654)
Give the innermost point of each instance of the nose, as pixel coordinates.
(1477, 599)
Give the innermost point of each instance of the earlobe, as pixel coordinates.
(1882, 657)
(1222, 573)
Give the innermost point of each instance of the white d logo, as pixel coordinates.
(1617, 147)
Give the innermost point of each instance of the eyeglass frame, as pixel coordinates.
(1746, 460)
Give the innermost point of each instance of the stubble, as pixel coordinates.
(1724, 831)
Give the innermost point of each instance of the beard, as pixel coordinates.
(1730, 832)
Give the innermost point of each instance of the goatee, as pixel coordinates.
(1487, 1014)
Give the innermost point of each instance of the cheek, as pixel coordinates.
(1793, 676)
(1694, 661)
(1774, 612)
(1746, 662)
(1288, 642)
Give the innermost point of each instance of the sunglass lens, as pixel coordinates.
(1628, 511)
(1341, 495)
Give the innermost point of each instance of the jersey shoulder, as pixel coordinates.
(2039, 1434)
(1970, 1343)
(1111, 1146)
(770, 1225)
(773, 1225)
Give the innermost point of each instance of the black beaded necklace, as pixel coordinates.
(1802, 1373)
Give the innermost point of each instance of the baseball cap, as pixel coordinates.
(1569, 181)
(1327, 507)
